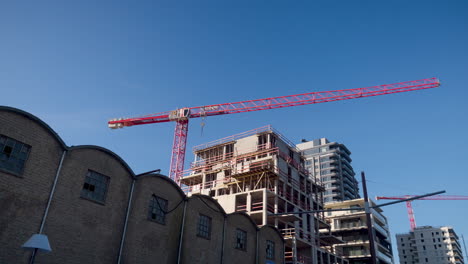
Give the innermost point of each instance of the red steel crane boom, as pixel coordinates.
(181, 116)
(409, 207)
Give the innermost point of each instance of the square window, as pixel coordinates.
(95, 187)
(270, 249)
(204, 226)
(13, 155)
(241, 239)
(157, 209)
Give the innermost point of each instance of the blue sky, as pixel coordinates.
(76, 64)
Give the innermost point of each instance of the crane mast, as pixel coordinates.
(181, 116)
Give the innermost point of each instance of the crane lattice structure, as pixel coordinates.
(182, 115)
(409, 207)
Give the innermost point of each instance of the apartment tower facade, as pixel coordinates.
(330, 163)
(427, 244)
(351, 227)
(261, 173)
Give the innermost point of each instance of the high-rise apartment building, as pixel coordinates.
(330, 163)
(432, 245)
(351, 227)
(261, 173)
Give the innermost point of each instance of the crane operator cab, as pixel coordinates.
(179, 114)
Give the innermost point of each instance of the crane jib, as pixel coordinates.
(182, 115)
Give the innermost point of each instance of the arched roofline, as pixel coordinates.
(274, 229)
(246, 216)
(107, 151)
(37, 120)
(170, 181)
(94, 147)
(60, 140)
(201, 196)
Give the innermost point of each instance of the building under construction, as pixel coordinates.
(262, 173)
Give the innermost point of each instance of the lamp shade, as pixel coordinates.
(39, 241)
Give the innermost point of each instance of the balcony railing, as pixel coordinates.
(351, 225)
(356, 252)
(298, 233)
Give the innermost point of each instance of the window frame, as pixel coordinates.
(204, 227)
(242, 237)
(270, 249)
(106, 189)
(16, 156)
(155, 203)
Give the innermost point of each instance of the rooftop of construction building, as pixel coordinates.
(263, 129)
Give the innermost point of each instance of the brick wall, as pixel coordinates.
(148, 241)
(85, 231)
(23, 198)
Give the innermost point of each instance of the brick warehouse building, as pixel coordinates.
(94, 209)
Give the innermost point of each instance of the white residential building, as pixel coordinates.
(351, 227)
(432, 245)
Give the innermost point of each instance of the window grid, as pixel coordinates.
(13, 154)
(95, 186)
(204, 226)
(270, 249)
(157, 209)
(241, 239)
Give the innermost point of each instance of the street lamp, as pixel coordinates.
(37, 242)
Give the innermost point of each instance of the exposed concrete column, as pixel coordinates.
(276, 196)
(276, 202)
(202, 187)
(294, 248)
(312, 254)
(265, 208)
(249, 203)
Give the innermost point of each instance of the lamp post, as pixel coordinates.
(370, 230)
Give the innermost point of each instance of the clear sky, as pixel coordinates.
(76, 64)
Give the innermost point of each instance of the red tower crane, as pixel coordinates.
(181, 116)
(409, 207)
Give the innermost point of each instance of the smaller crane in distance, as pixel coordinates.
(409, 207)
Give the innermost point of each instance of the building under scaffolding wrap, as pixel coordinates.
(260, 172)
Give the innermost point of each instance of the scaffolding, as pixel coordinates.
(261, 173)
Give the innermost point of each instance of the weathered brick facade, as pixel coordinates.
(81, 230)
